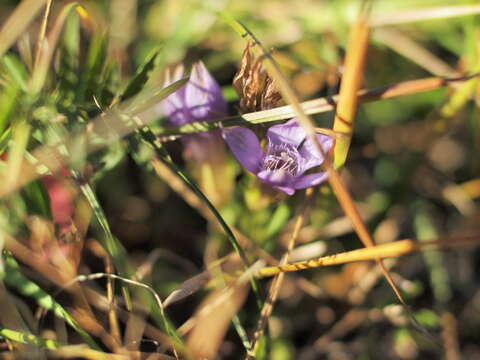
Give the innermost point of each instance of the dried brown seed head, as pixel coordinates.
(256, 89)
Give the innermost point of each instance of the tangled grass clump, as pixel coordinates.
(151, 208)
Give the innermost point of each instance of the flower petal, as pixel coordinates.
(203, 96)
(277, 177)
(173, 106)
(286, 189)
(245, 147)
(309, 153)
(290, 133)
(310, 180)
(200, 99)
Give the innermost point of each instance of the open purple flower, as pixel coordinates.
(289, 154)
(200, 99)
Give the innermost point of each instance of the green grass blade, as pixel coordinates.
(14, 278)
(149, 137)
(140, 79)
(47, 50)
(112, 245)
(28, 339)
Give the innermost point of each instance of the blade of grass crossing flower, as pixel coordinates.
(310, 107)
(53, 160)
(149, 137)
(16, 24)
(334, 178)
(14, 278)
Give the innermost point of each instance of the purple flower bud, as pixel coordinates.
(200, 99)
(289, 154)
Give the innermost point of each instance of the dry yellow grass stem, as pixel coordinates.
(390, 250)
(278, 280)
(304, 120)
(351, 83)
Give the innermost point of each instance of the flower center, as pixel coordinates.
(282, 157)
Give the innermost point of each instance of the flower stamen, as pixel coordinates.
(282, 157)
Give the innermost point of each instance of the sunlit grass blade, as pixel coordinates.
(16, 71)
(17, 23)
(424, 14)
(47, 48)
(311, 107)
(28, 339)
(111, 244)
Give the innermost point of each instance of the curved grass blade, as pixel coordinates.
(111, 244)
(166, 323)
(149, 137)
(14, 278)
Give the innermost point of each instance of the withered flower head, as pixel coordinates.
(256, 89)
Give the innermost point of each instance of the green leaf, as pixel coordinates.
(4, 139)
(8, 100)
(140, 79)
(36, 198)
(91, 81)
(278, 220)
(16, 70)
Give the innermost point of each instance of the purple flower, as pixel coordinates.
(289, 154)
(200, 99)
